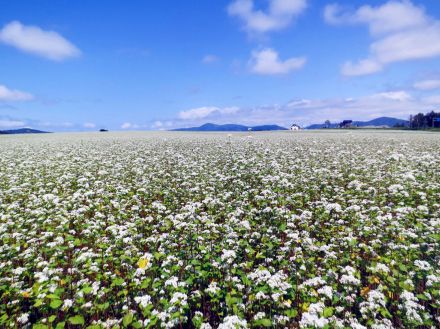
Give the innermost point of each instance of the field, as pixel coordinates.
(176, 230)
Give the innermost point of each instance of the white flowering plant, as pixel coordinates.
(176, 230)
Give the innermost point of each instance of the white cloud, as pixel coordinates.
(7, 94)
(206, 111)
(427, 85)
(89, 125)
(363, 67)
(209, 59)
(401, 31)
(267, 62)
(157, 124)
(398, 103)
(8, 124)
(197, 113)
(32, 39)
(432, 100)
(334, 14)
(400, 96)
(126, 125)
(408, 45)
(393, 16)
(278, 15)
(162, 125)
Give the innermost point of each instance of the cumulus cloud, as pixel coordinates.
(397, 103)
(427, 84)
(89, 125)
(206, 111)
(7, 94)
(126, 125)
(161, 125)
(157, 124)
(278, 15)
(267, 62)
(400, 95)
(32, 39)
(9, 124)
(362, 67)
(400, 31)
(432, 100)
(209, 59)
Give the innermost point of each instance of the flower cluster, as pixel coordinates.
(182, 230)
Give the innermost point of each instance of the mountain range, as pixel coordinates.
(231, 127)
(22, 131)
(378, 122)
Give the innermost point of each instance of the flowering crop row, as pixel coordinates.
(172, 230)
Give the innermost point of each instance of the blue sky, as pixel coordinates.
(142, 65)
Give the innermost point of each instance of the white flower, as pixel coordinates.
(173, 281)
(312, 318)
(67, 303)
(336, 207)
(411, 305)
(178, 298)
(259, 315)
(228, 256)
(143, 301)
(375, 300)
(233, 322)
(212, 288)
(23, 318)
(380, 268)
(421, 264)
(326, 291)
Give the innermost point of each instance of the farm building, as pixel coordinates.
(295, 127)
(346, 124)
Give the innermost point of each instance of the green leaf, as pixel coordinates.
(56, 303)
(118, 281)
(263, 323)
(328, 312)
(87, 290)
(145, 283)
(128, 318)
(422, 297)
(39, 326)
(52, 318)
(38, 302)
(77, 319)
(385, 313)
(137, 325)
(3, 318)
(291, 313)
(60, 325)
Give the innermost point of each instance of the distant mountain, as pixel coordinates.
(22, 131)
(382, 121)
(322, 125)
(378, 122)
(231, 127)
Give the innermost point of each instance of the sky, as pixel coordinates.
(154, 65)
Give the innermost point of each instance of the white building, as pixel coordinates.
(295, 127)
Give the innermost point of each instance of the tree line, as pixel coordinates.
(423, 121)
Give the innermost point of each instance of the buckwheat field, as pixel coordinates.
(187, 230)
